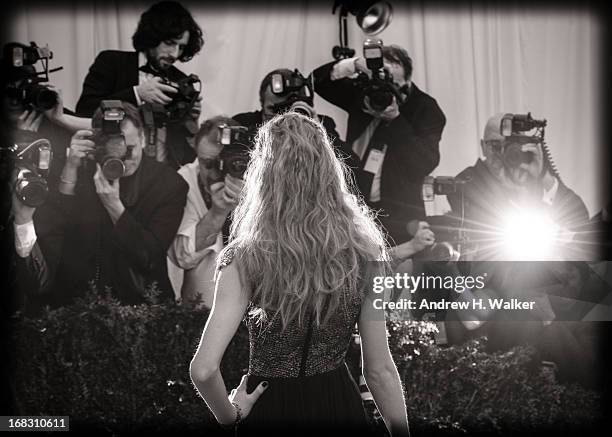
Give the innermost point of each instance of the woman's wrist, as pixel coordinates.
(237, 419)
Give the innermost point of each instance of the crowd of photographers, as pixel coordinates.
(128, 190)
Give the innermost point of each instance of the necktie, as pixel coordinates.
(360, 145)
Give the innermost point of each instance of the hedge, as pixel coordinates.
(120, 369)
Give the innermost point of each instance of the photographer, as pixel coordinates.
(114, 232)
(213, 195)
(515, 175)
(397, 146)
(166, 33)
(515, 207)
(283, 89)
(32, 108)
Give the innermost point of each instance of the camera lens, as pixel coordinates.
(31, 189)
(41, 97)
(113, 168)
(302, 108)
(237, 166)
(380, 98)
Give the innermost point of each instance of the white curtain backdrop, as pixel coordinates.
(476, 61)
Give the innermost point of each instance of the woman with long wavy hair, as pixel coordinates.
(296, 269)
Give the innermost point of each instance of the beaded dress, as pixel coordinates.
(310, 387)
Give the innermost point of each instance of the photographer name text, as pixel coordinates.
(443, 304)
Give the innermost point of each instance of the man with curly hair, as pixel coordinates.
(166, 33)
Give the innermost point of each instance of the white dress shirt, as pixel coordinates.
(25, 238)
(191, 271)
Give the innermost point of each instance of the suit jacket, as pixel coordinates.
(77, 241)
(412, 141)
(113, 76)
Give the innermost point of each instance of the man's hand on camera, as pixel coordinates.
(225, 194)
(424, 237)
(81, 147)
(155, 91)
(108, 192)
(30, 120)
(536, 166)
(390, 113)
(196, 110)
(361, 66)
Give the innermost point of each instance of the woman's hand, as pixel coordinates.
(244, 400)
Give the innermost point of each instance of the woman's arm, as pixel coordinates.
(379, 369)
(229, 305)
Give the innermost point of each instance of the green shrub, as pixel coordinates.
(119, 368)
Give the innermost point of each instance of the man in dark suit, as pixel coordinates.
(166, 33)
(396, 147)
(114, 232)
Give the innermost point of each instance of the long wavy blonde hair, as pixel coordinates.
(299, 233)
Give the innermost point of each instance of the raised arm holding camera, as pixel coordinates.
(166, 33)
(393, 128)
(215, 182)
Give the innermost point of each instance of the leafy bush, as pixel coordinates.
(463, 388)
(119, 368)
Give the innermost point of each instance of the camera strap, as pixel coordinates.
(150, 129)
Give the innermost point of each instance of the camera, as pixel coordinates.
(111, 150)
(441, 186)
(32, 163)
(380, 88)
(513, 128)
(234, 157)
(451, 238)
(296, 91)
(187, 92)
(25, 87)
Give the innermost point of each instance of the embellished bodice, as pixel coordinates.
(277, 353)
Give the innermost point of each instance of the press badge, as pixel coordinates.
(375, 159)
